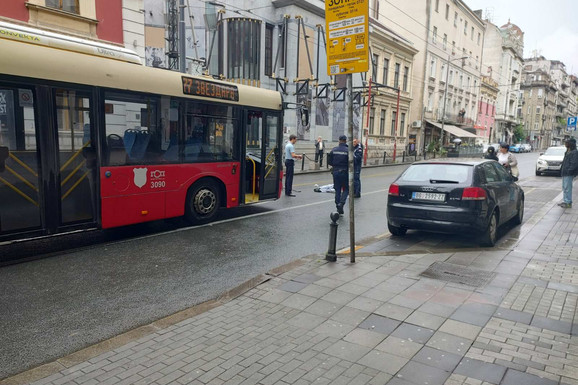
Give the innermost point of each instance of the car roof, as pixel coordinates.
(557, 147)
(461, 161)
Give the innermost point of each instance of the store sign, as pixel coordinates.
(347, 30)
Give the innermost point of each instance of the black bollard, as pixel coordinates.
(331, 256)
(302, 162)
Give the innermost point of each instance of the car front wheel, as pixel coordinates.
(490, 234)
(397, 231)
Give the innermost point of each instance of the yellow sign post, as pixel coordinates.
(347, 30)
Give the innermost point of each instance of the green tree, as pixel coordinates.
(519, 133)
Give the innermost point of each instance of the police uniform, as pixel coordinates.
(357, 158)
(339, 160)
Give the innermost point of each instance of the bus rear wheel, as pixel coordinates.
(203, 202)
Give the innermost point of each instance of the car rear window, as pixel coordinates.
(455, 173)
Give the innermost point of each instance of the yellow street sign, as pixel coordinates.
(347, 32)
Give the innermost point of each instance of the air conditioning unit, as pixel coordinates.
(416, 124)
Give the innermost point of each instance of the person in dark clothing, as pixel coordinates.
(290, 157)
(319, 150)
(568, 171)
(338, 159)
(491, 154)
(357, 158)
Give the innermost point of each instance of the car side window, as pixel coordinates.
(490, 172)
(502, 174)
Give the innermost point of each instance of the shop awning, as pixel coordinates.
(456, 131)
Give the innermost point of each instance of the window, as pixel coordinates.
(538, 110)
(393, 121)
(479, 37)
(455, 19)
(453, 47)
(445, 42)
(447, 11)
(461, 81)
(396, 76)
(432, 67)
(465, 27)
(480, 107)
(487, 108)
(385, 70)
(375, 9)
(472, 35)
(530, 92)
(374, 65)
(269, 49)
(64, 5)
(405, 75)
(382, 122)
(243, 49)
(372, 120)
(430, 101)
(451, 79)
(402, 125)
(435, 35)
(443, 72)
(437, 6)
(540, 93)
(475, 86)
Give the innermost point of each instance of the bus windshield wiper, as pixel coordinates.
(443, 181)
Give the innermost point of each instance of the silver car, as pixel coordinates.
(550, 161)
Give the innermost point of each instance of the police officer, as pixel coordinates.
(357, 158)
(338, 158)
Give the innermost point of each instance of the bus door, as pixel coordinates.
(261, 175)
(20, 176)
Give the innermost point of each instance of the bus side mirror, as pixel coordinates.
(304, 116)
(4, 154)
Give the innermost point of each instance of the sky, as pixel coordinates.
(549, 26)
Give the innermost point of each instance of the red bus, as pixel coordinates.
(91, 138)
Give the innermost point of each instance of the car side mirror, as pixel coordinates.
(541, 153)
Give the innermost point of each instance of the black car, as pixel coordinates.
(463, 196)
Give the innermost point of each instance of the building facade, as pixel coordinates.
(485, 122)
(503, 59)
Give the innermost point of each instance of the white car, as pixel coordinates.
(550, 161)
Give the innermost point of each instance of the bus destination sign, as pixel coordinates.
(208, 89)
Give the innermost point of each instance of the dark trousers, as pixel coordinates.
(340, 182)
(319, 155)
(357, 182)
(289, 171)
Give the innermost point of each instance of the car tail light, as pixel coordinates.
(393, 190)
(474, 194)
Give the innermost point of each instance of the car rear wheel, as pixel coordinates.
(203, 202)
(520, 215)
(397, 231)
(538, 173)
(490, 235)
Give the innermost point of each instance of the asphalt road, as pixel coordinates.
(54, 306)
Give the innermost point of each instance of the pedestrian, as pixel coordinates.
(357, 158)
(339, 159)
(508, 160)
(568, 171)
(290, 157)
(491, 154)
(319, 148)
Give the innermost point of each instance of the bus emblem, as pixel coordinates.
(140, 176)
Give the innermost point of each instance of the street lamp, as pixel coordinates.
(446, 95)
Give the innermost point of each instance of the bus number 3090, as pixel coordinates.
(158, 184)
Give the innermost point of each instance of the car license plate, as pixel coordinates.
(426, 196)
(553, 167)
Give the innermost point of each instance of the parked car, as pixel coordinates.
(549, 162)
(526, 147)
(516, 148)
(495, 145)
(466, 196)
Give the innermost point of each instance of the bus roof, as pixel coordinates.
(20, 58)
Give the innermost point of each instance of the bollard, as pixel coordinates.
(403, 157)
(331, 256)
(384, 155)
(303, 162)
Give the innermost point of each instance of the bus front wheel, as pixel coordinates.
(203, 202)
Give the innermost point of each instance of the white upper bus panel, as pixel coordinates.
(65, 42)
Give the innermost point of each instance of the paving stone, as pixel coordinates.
(513, 315)
(550, 324)
(365, 303)
(334, 328)
(347, 351)
(350, 315)
(437, 358)
(364, 337)
(535, 341)
(423, 319)
(460, 329)
(514, 377)
(315, 291)
(471, 317)
(383, 361)
(413, 333)
(399, 347)
(394, 311)
(449, 343)
(322, 308)
(379, 324)
(437, 309)
(481, 370)
(306, 321)
(419, 373)
(306, 278)
(339, 297)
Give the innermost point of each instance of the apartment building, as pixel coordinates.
(449, 37)
(485, 122)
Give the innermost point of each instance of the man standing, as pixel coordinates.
(357, 157)
(319, 148)
(290, 157)
(338, 158)
(568, 171)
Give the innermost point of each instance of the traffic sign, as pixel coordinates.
(347, 32)
(572, 123)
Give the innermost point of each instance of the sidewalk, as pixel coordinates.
(483, 316)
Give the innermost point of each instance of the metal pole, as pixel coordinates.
(445, 98)
(331, 256)
(395, 126)
(367, 124)
(182, 38)
(350, 167)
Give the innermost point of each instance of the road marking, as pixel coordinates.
(381, 235)
(364, 176)
(346, 250)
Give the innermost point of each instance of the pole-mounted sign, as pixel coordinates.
(347, 30)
